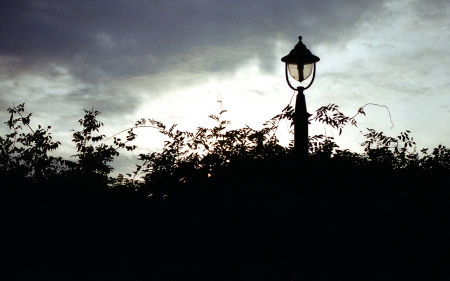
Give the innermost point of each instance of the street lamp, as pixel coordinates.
(300, 63)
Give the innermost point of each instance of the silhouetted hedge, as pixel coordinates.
(222, 205)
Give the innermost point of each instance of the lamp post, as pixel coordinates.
(301, 63)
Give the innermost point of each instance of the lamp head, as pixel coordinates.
(300, 61)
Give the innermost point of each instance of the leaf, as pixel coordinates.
(10, 122)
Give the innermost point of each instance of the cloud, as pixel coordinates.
(118, 39)
(169, 59)
(79, 54)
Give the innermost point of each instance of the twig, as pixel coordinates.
(22, 119)
(135, 127)
(360, 110)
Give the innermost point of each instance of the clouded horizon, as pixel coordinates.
(169, 60)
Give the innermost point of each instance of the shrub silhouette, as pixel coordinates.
(24, 155)
(199, 157)
(222, 204)
(93, 161)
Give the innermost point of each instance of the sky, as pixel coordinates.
(174, 60)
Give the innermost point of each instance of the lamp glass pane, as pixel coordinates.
(293, 70)
(300, 72)
(307, 70)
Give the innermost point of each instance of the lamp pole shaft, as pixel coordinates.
(301, 126)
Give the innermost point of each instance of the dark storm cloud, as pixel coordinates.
(115, 38)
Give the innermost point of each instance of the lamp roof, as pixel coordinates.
(300, 55)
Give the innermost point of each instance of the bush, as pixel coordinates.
(222, 204)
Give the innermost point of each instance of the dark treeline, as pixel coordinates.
(222, 204)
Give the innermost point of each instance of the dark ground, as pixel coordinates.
(324, 224)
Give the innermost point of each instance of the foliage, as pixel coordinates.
(196, 157)
(234, 201)
(25, 155)
(94, 160)
(192, 156)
